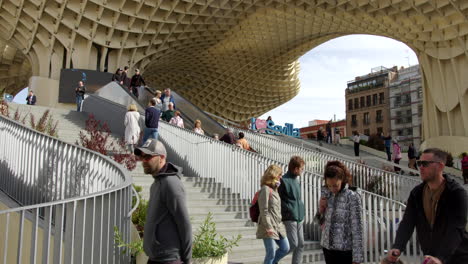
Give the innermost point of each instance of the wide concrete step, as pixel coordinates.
(222, 223)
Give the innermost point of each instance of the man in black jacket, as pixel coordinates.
(438, 209)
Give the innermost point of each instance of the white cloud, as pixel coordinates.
(326, 69)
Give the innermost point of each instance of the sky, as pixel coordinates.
(326, 69)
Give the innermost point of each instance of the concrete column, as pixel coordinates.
(46, 90)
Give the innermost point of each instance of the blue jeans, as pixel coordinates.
(272, 256)
(79, 101)
(150, 133)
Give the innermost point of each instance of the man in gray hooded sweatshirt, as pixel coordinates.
(168, 234)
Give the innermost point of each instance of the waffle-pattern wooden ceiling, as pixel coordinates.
(233, 58)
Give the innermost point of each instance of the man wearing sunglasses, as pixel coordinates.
(168, 233)
(438, 209)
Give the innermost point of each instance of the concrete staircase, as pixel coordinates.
(70, 123)
(230, 213)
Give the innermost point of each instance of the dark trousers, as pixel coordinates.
(338, 257)
(397, 161)
(356, 149)
(389, 155)
(169, 262)
(465, 176)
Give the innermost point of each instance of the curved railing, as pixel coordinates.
(60, 202)
(240, 171)
(385, 183)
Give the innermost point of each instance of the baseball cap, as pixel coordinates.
(151, 147)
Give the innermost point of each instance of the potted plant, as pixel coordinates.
(208, 246)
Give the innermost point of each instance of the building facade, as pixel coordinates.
(406, 107)
(367, 104)
(310, 132)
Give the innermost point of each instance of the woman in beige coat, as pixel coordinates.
(270, 227)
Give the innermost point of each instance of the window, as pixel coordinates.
(398, 117)
(362, 102)
(367, 132)
(378, 116)
(397, 101)
(381, 98)
(379, 130)
(366, 119)
(368, 100)
(420, 95)
(356, 103)
(420, 110)
(374, 99)
(409, 116)
(353, 120)
(350, 104)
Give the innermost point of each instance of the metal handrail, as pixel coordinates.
(391, 185)
(240, 171)
(71, 198)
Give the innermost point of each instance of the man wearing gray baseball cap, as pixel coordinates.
(168, 234)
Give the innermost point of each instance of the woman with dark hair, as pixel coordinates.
(270, 227)
(340, 214)
(242, 142)
(117, 77)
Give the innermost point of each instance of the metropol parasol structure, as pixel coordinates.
(233, 58)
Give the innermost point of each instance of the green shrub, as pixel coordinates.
(208, 243)
(134, 247)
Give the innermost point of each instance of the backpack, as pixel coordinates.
(254, 209)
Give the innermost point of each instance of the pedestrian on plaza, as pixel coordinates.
(79, 95)
(166, 99)
(242, 141)
(169, 113)
(357, 141)
(329, 132)
(168, 232)
(137, 83)
(270, 228)
(437, 208)
(132, 127)
(228, 137)
(125, 79)
(292, 207)
(197, 127)
(388, 143)
(396, 155)
(464, 163)
(337, 136)
(152, 115)
(177, 120)
(412, 156)
(320, 136)
(157, 97)
(340, 209)
(117, 76)
(31, 98)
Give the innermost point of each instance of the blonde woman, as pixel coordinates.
(157, 98)
(177, 120)
(197, 129)
(270, 227)
(132, 128)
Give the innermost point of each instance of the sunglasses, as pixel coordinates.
(146, 157)
(425, 163)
